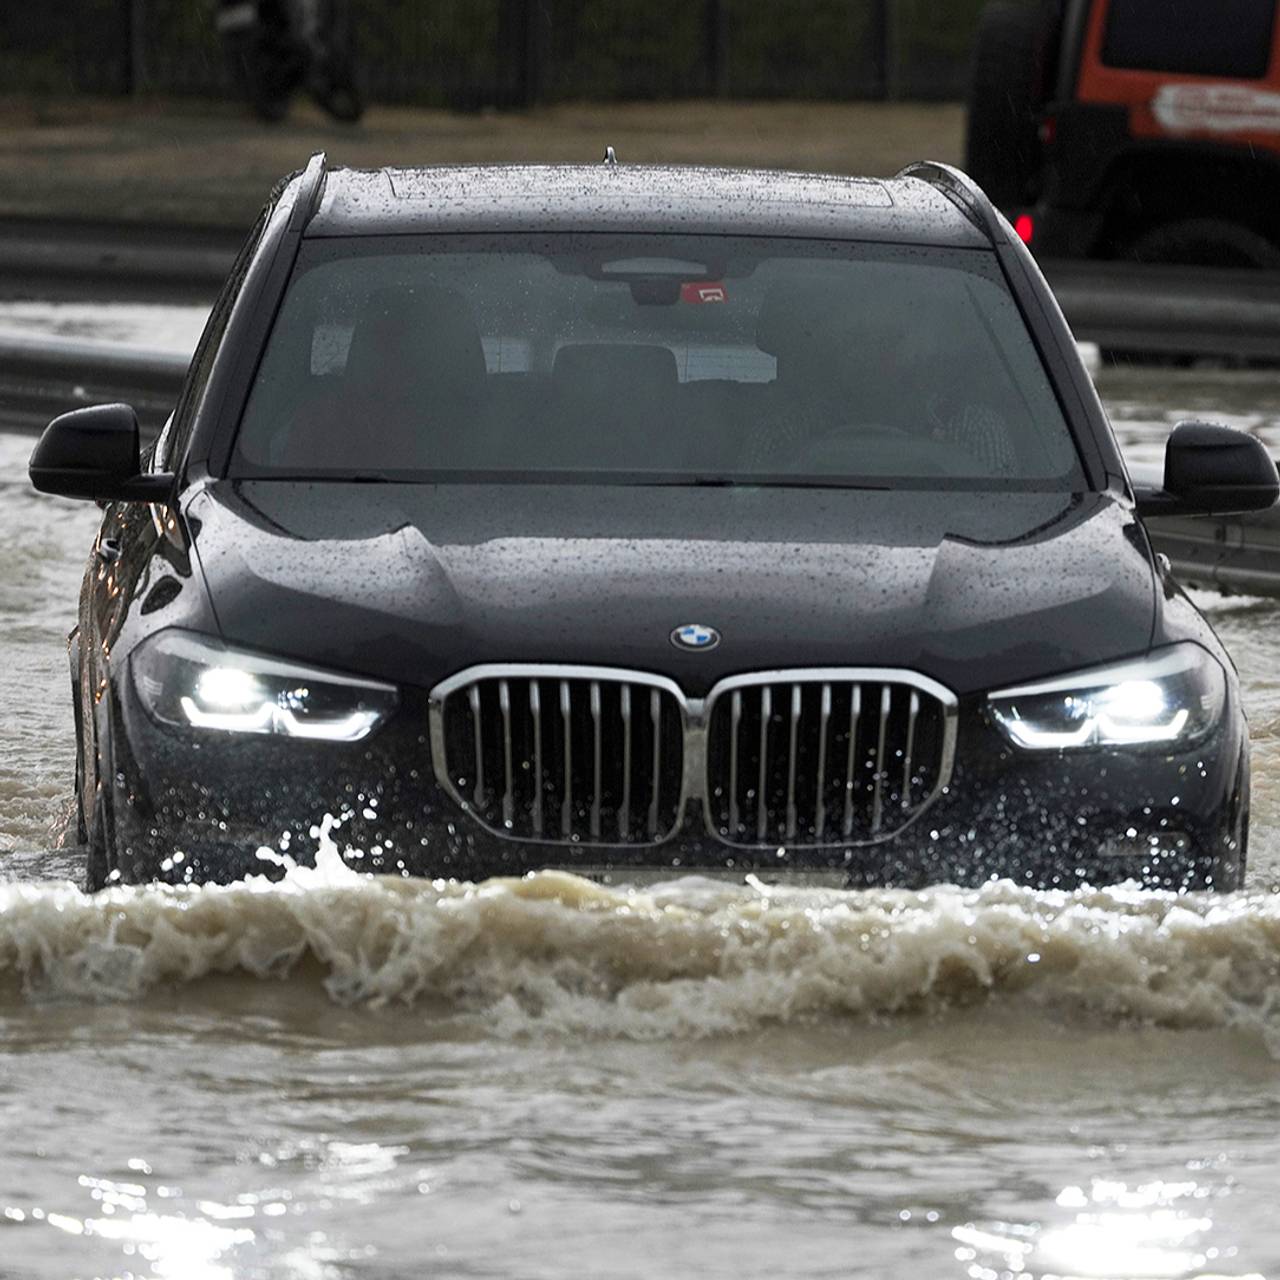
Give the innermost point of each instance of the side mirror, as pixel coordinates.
(1211, 470)
(93, 453)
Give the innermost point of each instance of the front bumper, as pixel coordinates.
(201, 806)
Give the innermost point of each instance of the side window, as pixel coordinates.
(1191, 37)
(174, 441)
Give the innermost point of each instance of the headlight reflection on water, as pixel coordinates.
(168, 1245)
(1154, 1231)
(168, 1242)
(151, 1230)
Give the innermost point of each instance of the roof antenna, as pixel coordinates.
(610, 158)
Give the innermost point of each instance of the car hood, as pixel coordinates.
(414, 582)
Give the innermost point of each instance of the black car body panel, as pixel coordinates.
(666, 199)
(411, 583)
(430, 579)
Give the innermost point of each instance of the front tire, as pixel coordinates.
(1205, 242)
(1239, 839)
(100, 858)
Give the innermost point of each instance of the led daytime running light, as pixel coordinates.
(194, 682)
(1172, 696)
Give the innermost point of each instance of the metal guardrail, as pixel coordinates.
(53, 260)
(86, 359)
(41, 377)
(1237, 555)
(1175, 311)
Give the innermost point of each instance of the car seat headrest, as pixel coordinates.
(418, 342)
(621, 368)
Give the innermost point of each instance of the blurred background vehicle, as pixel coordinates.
(1146, 130)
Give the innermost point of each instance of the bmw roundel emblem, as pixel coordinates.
(694, 635)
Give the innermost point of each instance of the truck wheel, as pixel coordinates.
(1205, 242)
(1002, 146)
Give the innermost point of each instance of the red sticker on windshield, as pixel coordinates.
(700, 291)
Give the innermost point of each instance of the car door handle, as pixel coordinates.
(108, 550)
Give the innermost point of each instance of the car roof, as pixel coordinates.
(654, 198)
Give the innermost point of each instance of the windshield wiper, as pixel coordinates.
(754, 482)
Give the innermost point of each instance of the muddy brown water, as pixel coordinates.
(339, 1076)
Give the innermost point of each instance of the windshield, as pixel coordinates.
(652, 359)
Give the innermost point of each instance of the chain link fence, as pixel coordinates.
(477, 53)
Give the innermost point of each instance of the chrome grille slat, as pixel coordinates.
(855, 717)
(655, 721)
(595, 759)
(735, 727)
(624, 807)
(566, 805)
(805, 758)
(820, 777)
(877, 803)
(535, 715)
(474, 699)
(762, 809)
(508, 793)
(912, 714)
(791, 761)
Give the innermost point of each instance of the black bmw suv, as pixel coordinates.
(618, 518)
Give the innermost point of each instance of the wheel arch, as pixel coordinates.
(1149, 186)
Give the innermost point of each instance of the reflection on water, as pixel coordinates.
(168, 1245)
(1146, 403)
(1157, 1231)
(336, 1077)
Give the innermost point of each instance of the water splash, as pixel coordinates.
(556, 953)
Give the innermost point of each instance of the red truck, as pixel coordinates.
(1146, 130)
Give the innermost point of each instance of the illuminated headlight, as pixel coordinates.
(195, 682)
(1173, 696)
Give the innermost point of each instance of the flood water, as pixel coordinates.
(339, 1076)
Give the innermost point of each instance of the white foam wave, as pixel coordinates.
(553, 952)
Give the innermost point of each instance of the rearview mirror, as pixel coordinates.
(1211, 470)
(93, 453)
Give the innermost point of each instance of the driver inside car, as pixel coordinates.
(854, 371)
